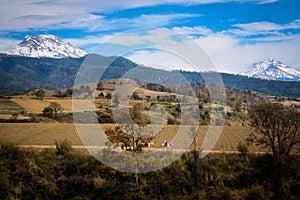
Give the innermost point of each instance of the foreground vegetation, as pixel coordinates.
(64, 173)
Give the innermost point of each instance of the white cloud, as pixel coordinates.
(263, 28)
(162, 46)
(228, 52)
(27, 15)
(231, 50)
(108, 6)
(230, 56)
(17, 15)
(267, 1)
(7, 43)
(197, 30)
(161, 60)
(268, 26)
(160, 20)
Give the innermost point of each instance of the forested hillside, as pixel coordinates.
(19, 74)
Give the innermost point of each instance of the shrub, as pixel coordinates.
(243, 149)
(9, 150)
(63, 147)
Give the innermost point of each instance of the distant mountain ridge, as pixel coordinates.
(19, 73)
(48, 46)
(272, 69)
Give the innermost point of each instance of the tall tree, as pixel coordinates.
(276, 127)
(56, 108)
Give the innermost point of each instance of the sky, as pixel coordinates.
(233, 34)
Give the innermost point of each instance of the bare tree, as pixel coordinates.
(276, 127)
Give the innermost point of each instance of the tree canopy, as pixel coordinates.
(276, 127)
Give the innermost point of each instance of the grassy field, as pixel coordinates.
(47, 133)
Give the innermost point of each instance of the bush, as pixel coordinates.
(63, 147)
(9, 150)
(48, 111)
(243, 149)
(105, 118)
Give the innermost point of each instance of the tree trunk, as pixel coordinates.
(278, 175)
(136, 180)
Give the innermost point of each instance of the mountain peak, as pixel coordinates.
(272, 69)
(46, 46)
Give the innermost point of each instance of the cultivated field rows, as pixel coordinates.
(47, 133)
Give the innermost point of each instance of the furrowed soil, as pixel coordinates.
(46, 133)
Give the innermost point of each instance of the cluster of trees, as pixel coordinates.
(157, 87)
(52, 110)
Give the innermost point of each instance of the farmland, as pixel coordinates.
(36, 106)
(49, 129)
(47, 133)
(7, 108)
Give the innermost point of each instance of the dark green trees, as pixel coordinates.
(53, 108)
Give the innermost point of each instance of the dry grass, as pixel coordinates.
(37, 106)
(47, 133)
(38, 133)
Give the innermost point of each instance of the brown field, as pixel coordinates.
(36, 106)
(47, 133)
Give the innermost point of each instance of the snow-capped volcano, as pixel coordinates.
(46, 46)
(272, 69)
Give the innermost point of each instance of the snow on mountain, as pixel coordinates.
(46, 46)
(272, 69)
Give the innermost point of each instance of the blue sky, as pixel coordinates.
(233, 33)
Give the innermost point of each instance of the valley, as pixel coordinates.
(122, 130)
(42, 131)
